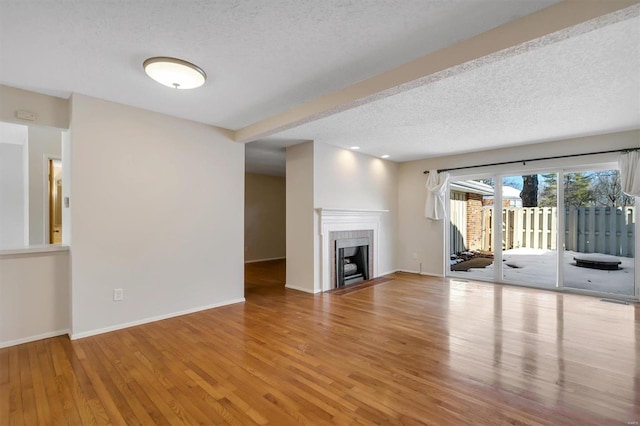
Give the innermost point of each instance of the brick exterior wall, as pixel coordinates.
(474, 221)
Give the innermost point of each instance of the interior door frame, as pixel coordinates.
(46, 196)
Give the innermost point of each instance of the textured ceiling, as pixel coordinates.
(585, 84)
(262, 57)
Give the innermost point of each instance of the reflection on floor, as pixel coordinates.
(411, 350)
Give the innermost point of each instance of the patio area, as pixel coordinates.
(538, 267)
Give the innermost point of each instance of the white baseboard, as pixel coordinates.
(306, 290)
(408, 271)
(264, 260)
(75, 336)
(34, 338)
(387, 273)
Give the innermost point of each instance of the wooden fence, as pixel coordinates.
(607, 230)
(458, 225)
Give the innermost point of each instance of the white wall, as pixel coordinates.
(156, 210)
(300, 218)
(264, 217)
(34, 297)
(42, 141)
(12, 195)
(345, 179)
(426, 238)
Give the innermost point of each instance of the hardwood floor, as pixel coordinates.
(408, 350)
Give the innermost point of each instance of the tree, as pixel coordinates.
(608, 190)
(529, 193)
(549, 192)
(577, 189)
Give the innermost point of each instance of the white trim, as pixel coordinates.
(305, 290)
(84, 334)
(34, 249)
(382, 274)
(265, 260)
(349, 212)
(409, 271)
(498, 271)
(34, 338)
(560, 234)
(427, 274)
(346, 220)
(636, 253)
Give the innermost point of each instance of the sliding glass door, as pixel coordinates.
(561, 229)
(599, 233)
(471, 239)
(529, 230)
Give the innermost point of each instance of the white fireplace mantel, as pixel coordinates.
(347, 220)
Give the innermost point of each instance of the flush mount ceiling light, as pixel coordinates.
(174, 72)
(355, 148)
(384, 156)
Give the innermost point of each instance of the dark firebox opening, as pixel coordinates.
(352, 263)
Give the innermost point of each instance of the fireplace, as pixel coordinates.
(344, 224)
(352, 256)
(352, 261)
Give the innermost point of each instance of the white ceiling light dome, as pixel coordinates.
(175, 73)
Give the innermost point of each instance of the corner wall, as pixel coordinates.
(300, 227)
(154, 211)
(346, 179)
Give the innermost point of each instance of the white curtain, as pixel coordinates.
(630, 173)
(434, 207)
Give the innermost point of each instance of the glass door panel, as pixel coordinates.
(529, 230)
(599, 233)
(471, 229)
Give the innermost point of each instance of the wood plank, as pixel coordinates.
(409, 349)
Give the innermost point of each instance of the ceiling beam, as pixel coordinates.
(440, 64)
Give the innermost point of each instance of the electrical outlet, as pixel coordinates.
(118, 294)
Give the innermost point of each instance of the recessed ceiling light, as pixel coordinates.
(174, 72)
(355, 148)
(384, 156)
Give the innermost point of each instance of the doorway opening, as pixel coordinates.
(55, 201)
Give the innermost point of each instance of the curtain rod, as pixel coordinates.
(535, 159)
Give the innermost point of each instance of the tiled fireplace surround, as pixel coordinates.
(343, 223)
(341, 235)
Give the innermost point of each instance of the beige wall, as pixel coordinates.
(155, 210)
(345, 179)
(50, 111)
(426, 238)
(300, 218)
(34, 296)
(324, 176)
(264, 217)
